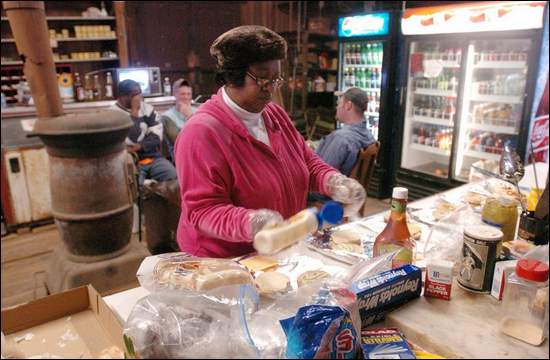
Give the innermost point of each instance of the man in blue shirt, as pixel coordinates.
(340, 148)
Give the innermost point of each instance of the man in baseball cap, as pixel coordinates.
(340, 148)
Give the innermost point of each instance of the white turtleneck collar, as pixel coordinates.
(253, 122)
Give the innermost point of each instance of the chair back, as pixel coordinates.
(364, 165)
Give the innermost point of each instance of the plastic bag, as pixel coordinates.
(318, 320)
(446, 236)
(175, 324)
(183, 272)
(539, 253)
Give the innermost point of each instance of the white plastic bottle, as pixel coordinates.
(272, 240)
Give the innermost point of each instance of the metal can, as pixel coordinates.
(478, 257)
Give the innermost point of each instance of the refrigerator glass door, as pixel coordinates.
(362, 68)
(433, 81)
(492, 106)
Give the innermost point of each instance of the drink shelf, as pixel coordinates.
(482, 155)
(507, 99)
(435, 92)
(494, 128)
(500, 65)
(450, 64)
(370, 89)
(375, 114)
(430, 149)
(69, 39)
(431, 120)
(356, 66)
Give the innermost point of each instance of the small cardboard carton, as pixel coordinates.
(74, 324)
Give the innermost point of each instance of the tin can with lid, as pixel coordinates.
(478, 257)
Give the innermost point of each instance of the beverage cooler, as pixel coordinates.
(465, 89)
(366, 60)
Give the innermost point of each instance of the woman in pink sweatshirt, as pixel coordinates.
(241, 164)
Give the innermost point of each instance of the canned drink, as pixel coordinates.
(478, 258)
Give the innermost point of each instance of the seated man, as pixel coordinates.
(174, 118)
(145, 135)
(340, 148)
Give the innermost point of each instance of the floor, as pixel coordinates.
(26, 256)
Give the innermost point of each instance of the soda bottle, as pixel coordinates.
(352, 78)
(96, 89)
(363, 54)
(380, 53)
(346, 53)
(79, 89)
(109, 86)
(167, 88)
(88, 88)
(368, 83)
(396, 236)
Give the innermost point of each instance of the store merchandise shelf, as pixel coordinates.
(356, 66)
(65, 61)
(500, 65)
(435, 92)
(370, 89)
(482, 155)
(70, 39)
(431, 120)
(73, 18)
(494, 128)
(374, 114)
(430, 149)
(507, 99)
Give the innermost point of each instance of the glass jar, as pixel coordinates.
(501, 212)
(525, 302)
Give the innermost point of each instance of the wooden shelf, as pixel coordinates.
(70, 39)
(73, 18)
(65, 61)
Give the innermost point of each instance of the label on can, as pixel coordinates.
(477, 264)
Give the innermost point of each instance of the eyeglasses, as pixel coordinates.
(263, 82)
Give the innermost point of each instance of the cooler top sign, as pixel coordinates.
(483, 16)
(364, 25)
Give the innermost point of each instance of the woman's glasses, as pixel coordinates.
(263, 83)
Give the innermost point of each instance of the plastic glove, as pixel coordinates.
(263, 218)
(348, 191)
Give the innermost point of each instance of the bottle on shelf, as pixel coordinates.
(167, 88)
(79, 89)
(96, 89)
(109, 86)
(88, 88)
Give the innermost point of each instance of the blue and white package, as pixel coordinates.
(378, 294)
(385, 344)
(322, 332)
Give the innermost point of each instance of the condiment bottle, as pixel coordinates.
(525, 302)
(274, 239)
(396, 236)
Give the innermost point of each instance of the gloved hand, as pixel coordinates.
(263, 218)
(348, 191)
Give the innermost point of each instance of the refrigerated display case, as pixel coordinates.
(466, 90)
(367, 49)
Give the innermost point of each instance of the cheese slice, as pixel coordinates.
(260, 263)
(346, 237)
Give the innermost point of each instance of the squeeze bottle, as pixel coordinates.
(273, 239)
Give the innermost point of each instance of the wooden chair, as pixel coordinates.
(364, 166)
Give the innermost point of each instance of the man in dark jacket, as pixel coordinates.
(145, 136)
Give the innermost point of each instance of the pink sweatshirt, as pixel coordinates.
(225, 173)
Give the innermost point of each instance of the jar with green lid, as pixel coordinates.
(501, 212)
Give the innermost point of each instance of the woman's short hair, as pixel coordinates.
(238, 48)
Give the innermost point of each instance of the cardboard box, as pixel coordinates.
(383, 292)
(73, 324)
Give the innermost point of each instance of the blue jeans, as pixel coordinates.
(160, 170)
